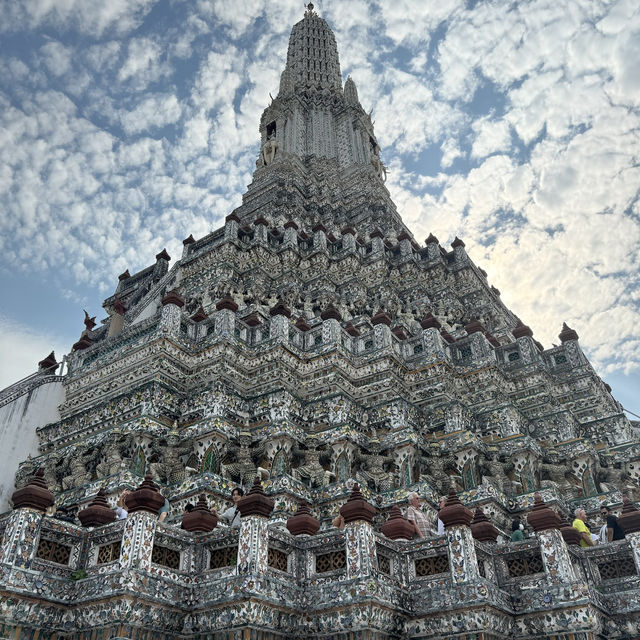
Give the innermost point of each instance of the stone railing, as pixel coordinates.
(55, 561)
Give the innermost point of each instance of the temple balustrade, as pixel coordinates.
(64, 562)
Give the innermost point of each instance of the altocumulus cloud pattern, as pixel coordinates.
(126, 126)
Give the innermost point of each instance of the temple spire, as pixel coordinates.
(312, 57)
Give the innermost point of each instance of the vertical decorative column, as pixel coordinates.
(381, 322)
(331, 318)
(459, 252)
(462, 551)
(433, 248)
(377, 243)
(406, 249)
(261, 225)
(162, 264)
(432, 342)
(172, 303)
(199, 317)
(362, 559)
(319, 237)
(555, 556)
(253, 544)
(116, 321)
(569, 339)
(290, 234)
(524, 337)
(225, 318)
(231, 226)
(22, 531)
(629, 520)
(279, 329)
(349, 239)
(186, 244)
(140, 525)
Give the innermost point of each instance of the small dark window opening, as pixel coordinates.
(271, 130)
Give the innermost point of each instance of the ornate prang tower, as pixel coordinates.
(311, 342)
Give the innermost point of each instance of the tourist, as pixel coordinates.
(611, 529)
(338, 521)
(587, 539)
(232, 515)
(419, 519)
(442, 505)
(163, 511)
(517, 531)
(121, 507)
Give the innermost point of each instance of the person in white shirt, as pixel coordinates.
(232, 515)
(121, 507)
(443, 504)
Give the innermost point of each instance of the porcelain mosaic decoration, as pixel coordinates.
(314, 343)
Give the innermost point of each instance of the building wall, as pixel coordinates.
(19, 419)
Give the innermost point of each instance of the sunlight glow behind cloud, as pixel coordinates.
(127, 126)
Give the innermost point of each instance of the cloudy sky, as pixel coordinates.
(127, 125)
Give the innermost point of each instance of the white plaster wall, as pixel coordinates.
(19, 420)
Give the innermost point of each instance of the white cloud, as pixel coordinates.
(154, 111)
(27, 348)
(541, 181)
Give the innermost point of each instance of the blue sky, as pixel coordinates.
(125, 126)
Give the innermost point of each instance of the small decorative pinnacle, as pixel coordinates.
(381, 317)
(567, 333)
(199, 315)
(542, 517)
(303, 522)
(89, 323)
(351, 330)
(430, 322)
(163, 255)
(35, 495)
(482, 528)
(256, 502)
(397, 527)
(124, 275)
(302, 324)
(118, 306)
(49, 364)
(227, 303)
(521, 330)
(629, 520)
(357, 508)
(454, 512)
(173, 297)
(200, 518)
(570, 535)
(145, 498)
(189, 240)
(98, 512)
(331, 313)
(474, 326)
(280, 309)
